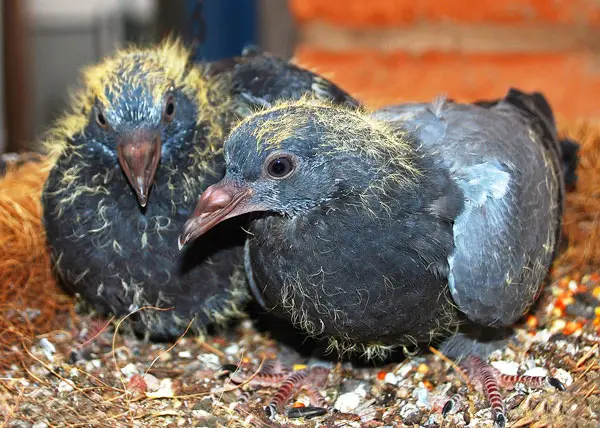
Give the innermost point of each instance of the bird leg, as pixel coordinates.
(273, 374)
(316, 399)
(318, 405)
(92, 334)
(485, 378)
(454, 404)
(304, 379)
(270, 375)
(488, 380)
(240, 406)
(510, 381)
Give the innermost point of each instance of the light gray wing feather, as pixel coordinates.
(506, 235)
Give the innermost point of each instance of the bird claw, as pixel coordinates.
(510, 381)
(552, 381)
(288, 382)
(500, 420)
(447, 408)
(297, 380)
(226, 371)
(270, 410)
(489, 380)
(453, 405)
(306, 412)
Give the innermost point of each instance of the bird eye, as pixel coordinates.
(101, 119)
(169, 110)
(280, 167)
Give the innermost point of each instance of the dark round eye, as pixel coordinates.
(169, 110)
(101, 119)
(280, 167)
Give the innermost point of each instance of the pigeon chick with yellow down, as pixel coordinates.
(417, 223)
(142, 141)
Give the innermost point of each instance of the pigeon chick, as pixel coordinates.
(143, 140)
(396, 228)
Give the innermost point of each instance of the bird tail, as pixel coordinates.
(537, 107)
(570, 160)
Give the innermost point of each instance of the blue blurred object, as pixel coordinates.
(230, 26)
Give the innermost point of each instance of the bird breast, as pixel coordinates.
(351, 277)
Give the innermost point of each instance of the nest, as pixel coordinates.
(31, 303)
(582, 207)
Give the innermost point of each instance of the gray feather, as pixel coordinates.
(505, 235)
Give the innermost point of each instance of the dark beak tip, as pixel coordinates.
(187, 235)
(181, 241)
(142, 200)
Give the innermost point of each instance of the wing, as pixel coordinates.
(504, 155)
(261, 78)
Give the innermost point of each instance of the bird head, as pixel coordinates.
(294, 157)
(140, 107)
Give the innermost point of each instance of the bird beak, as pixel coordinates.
(219, 202)
(139, 155)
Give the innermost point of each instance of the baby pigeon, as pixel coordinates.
(416, 222)
(143, 140)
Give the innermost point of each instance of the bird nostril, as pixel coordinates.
(213, 200)
(220, 199)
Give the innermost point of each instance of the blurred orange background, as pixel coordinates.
(387, 51)
(382, 51)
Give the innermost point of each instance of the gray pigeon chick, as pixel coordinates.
(417, 223)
